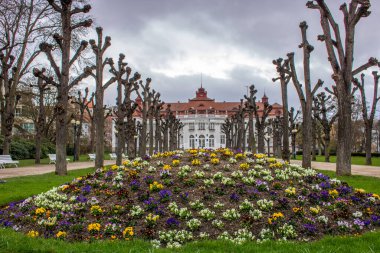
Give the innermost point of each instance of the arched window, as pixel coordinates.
(211, 141)
(202, 141)
(192, 141)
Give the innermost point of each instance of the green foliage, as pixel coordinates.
(26, 149)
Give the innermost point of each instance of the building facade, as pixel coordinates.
(202, 118)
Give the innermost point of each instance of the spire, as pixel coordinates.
(264, 99)
(201, 80)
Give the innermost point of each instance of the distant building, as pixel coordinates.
(203, 117)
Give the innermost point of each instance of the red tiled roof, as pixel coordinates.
(202, 103)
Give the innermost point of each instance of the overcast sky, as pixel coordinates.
(232, 43)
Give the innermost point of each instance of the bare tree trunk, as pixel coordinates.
(165, 146)
(285, 123)
(157, 135)
(120, 141)
(91, 146)
(314, 142)
(327, 148)
(368, 145)
(151, 134)
(260, 140)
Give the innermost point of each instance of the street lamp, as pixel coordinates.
(294, 133)
(75, 124)
(135, 137)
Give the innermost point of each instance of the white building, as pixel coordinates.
(203, 117)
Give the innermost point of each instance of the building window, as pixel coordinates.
(192, 141)
(202, 141)
(222, 139)
(191, 126)
(212, 126)
(211, 141)
(18, 111)
(202, 126)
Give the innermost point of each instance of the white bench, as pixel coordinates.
(7, 159)
(92, 157)
(53, 158)
(113, 156)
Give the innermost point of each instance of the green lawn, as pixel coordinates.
(19, 188)
(370, 184)
(22, 187)
(30, 162)
(358, 160)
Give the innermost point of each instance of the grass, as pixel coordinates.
(22, 187)
(357, 160)
(30, 162)
(370, 184)
(18, 188)
(11, 241)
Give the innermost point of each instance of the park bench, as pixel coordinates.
(113, 156)
(53, 158)
(91, 157)
(7, 159)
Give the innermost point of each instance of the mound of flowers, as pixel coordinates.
(175, 197)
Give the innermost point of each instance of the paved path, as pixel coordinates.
(373, 171)
(45, 168)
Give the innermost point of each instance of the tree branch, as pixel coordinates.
(371, 62)
(87, 72)
(80, 49)
(46, 48)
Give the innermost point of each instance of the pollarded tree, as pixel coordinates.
(64, 81)
(250, 104)
(239, 119)
(261, 124)
(340, 50)
(125, 107)
(99, 48)
(165, 124)
(283, 70)
(305, 95)
(82, 101)
(152, 115)
(326, 115)
(227, 130)
(156, 112)
(146, 100)
(42, 123)
(368, 118)
(276, 126)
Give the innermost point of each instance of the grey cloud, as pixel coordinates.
(262, 29)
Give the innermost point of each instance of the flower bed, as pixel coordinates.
(175, 197)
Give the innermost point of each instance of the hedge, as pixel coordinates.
(25, 149)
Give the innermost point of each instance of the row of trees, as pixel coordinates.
(54, 29)
(318, 111)
(340, 51)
